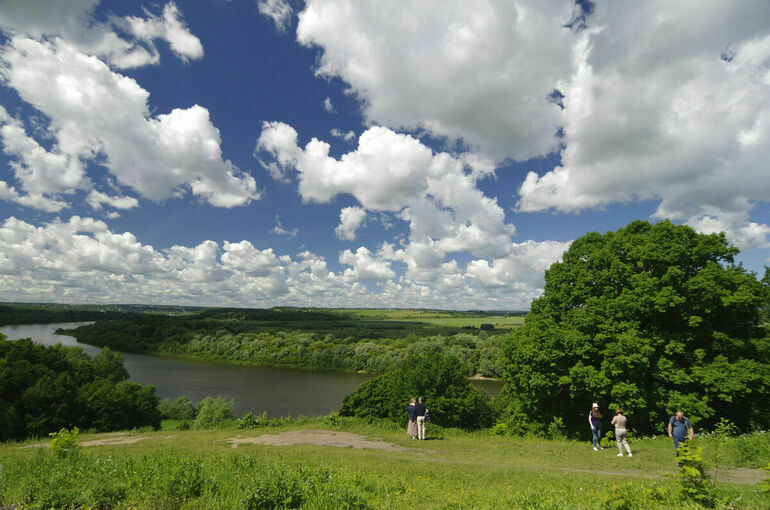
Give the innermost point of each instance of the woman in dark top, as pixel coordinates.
(411, 429)
(595, 421)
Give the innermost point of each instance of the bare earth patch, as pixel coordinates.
(317, 438)
(106, 441)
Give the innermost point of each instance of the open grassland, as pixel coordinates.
(453, 469)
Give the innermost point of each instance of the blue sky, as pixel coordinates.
(357, 153)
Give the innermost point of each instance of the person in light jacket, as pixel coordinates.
(619, 420)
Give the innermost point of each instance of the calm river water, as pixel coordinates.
(280, 392)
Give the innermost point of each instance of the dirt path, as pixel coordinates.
(107, 441)
(318, 438)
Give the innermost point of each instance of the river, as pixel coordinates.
(279, 391)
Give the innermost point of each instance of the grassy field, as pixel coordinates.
(453, 469)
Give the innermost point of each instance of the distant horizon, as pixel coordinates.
(339, 154)
(258, 308)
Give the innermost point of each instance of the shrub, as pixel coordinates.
(65, 442)
(180, 409)
(764, 485)
(213, 412)
(250, 421)
(694, 482)
(556, 429)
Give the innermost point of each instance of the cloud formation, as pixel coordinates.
(351, 219)
(99, 116)
(481, 72)
(279, 11)
(654, 110)
(391, 172)
(83, 260)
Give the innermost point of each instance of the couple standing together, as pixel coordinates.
(418, 415)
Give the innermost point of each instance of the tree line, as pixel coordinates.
(46, 388)
(236, 340)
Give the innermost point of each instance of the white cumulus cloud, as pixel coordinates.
(101, 116)
(656, 111)
(351, 219)
(478, 71)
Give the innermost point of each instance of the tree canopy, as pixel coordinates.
(651, 318)
(441, 380)
(45, 388)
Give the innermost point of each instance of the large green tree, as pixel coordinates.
(651, 318)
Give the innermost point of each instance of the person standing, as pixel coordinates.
(679, 429)
(595, 421)
(619, 420)
(411, 428)
(420, 410)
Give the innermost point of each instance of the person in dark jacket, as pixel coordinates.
(420, 410)
(411, 428)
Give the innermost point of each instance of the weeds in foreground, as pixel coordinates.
(65, 442)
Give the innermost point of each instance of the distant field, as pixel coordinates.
(500, 320)
(459, 322)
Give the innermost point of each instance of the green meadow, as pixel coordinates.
(173, 468)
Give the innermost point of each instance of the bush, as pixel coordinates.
(213, 412)
(250, 421)
(764, 485)
(65, 442)
(694, 482)
(556, 429)
(180, 409)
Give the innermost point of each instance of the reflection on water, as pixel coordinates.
(280, 392)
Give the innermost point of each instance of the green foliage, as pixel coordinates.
(47, 388)
(108, 365)
(693, 480)
(64, 442)
(319, 340)
(181, 408)
(764, 485)
(332, 419)
(556, 429)
(174, 480)
(214, 412)
(724, 430)
(651, 318)
(251, 421)
(752, 450)
(440, 380)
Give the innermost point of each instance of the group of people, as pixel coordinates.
(679, 429)
(418, 417)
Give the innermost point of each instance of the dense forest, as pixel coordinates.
(319, 340)
(43, 389)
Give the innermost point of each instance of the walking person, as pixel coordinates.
(595, 421)
(619, 420)
(420, 411)
(411, 428)
(679, 429)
